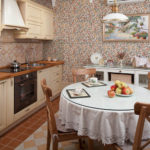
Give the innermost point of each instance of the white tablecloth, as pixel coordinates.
(111, 120)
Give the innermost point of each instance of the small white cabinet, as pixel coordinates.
(38, 19)
(139, 75)
(6, 102)
(41, 74)
(3, 99)
(53, 76)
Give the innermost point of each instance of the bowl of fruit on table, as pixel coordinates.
(120, 89)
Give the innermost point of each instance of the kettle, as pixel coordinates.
(15, 64)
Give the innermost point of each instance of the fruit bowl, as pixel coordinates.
(120, 89)
(123, 95)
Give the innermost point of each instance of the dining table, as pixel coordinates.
(109, 120)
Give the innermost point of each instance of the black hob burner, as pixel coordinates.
(14, 70)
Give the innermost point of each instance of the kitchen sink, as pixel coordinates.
(37, 65)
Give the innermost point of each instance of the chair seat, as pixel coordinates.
(61, 128)
(129, 146)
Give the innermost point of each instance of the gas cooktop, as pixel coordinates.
(14, 70)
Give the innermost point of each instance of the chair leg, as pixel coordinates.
(55, 145)
(106, 147)
(80, 143)
(90, 144)
(48, 140)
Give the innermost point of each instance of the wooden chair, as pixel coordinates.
(82, 72)
(56, 131)
(143, 110)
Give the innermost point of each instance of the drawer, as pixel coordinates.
(121, 71)
(25, 111)
(55, 75)
(56, 69)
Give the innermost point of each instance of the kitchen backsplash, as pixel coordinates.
(79, 33)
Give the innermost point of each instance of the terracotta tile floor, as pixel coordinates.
(18, 134)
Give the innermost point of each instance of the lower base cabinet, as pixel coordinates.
(6, 102)
(53, 76)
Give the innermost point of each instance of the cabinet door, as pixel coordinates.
(35, 30)
(40, 76)
(10, 101)
(3, 98)
(34, 13)
(47, 26)
(55, 78)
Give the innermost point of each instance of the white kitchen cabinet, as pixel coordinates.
(38, 19)
(47, 26)
(3, 98)
(10, 101)
(138, 75)
(41, 74)
(6, 108)
(53, 76)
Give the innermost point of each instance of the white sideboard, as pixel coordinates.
(139, 74)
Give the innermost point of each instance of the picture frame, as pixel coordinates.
(137, 29)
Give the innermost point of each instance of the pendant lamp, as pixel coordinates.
(115, 16)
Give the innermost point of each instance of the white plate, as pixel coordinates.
(95, 58)
(123, 95)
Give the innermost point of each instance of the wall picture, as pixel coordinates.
(136, 29)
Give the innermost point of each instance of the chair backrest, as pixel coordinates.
(149, 80)
(143, 110)
(49, 106)
(82, 71)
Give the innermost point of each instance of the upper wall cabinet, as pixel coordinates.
(47, 26)
(38, 19)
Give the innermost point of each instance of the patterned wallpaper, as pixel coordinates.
(79, 30)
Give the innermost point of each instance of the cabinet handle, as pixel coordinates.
(40, 71)
(22, 84)
(120, 71)
(2, 82)
(27, 109)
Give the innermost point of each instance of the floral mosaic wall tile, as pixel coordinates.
(79, 33)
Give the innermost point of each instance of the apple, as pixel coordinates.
(131, 90)
(118, 91)
(111, 93)
(113, 87)
(126, 91)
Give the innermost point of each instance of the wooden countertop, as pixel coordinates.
(48, 64)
